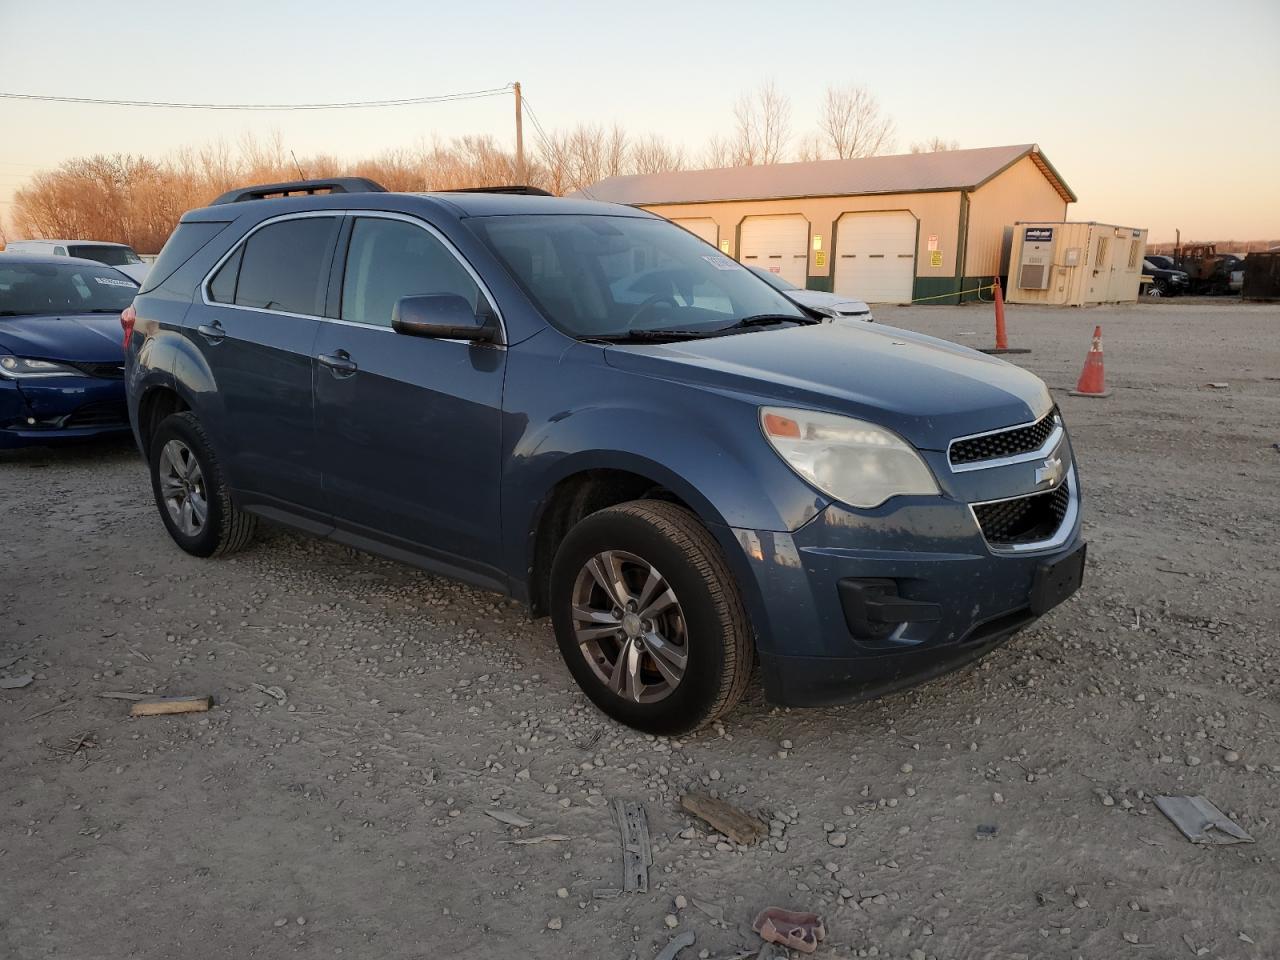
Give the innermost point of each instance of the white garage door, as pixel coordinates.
(779, 245)
(703, 227)
(876, 256)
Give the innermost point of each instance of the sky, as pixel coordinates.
(1159, 115)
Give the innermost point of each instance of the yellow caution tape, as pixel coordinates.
(960, 293)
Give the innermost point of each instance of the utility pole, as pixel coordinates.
(520, 170)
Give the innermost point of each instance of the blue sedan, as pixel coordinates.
(61, 352)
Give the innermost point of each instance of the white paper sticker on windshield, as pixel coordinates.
(112, 282)
(721, 263)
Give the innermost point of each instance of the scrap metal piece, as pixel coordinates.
(725, 818)
(637, 854)
(1200, 821)
(676, 945)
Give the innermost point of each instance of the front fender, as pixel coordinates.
(568, 412)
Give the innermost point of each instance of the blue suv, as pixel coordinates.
(587, 408)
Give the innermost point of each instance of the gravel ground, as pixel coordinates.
(350, 819)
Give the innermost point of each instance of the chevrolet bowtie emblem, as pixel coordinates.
(1050, 471)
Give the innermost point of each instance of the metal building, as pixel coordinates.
(883, 229)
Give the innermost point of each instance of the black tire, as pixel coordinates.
(1163, 287)
(718, 642)
(225, 529)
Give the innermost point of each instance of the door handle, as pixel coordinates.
(339, 363)
(212, 332)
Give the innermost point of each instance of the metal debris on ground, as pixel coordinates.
(275, 693)
(677, 944)
(712, 910)
(16, 683)
(605, 893)
(1218, 386)
(725, 818)
(510, 819)
(637, 854)
(986, 831)
(793, 929)
(1200, 821)
(164, 705)
(545, 838)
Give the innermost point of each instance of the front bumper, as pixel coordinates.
(923, 559)
(60, 409)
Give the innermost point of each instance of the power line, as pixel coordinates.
(348, 105)
(542, 135)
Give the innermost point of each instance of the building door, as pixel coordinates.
(876, 256)
(779, 244)
(703, 227)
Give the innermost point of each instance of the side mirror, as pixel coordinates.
(443, 316)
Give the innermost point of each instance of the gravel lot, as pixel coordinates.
(350, 820)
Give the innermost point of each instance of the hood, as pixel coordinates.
(928, 390)
(87, 338)
(828, 301)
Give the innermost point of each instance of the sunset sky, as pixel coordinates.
(1158, 115)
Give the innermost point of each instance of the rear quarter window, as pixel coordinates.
(183, 244)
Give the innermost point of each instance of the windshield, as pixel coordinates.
(607, 276)
(773, 279)
(46, 289)
(107, 253)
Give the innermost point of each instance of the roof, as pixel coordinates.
(96, 243)
(904, 173)
(9, 256)
(457, 204)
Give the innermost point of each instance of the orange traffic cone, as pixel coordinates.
(1093, 380)
(1002, 335)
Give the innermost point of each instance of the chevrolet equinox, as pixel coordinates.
(589, 409)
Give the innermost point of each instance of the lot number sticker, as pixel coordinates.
(112, 282)
(721, 263)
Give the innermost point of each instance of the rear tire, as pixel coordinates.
(191, 492)
(667, 647)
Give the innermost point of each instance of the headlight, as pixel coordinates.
(22, 368)
(850, 460)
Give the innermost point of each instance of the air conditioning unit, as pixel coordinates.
(1035, 258)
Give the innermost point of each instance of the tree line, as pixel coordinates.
(138, 200)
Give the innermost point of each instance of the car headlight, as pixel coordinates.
(850, 460)
(23, 368)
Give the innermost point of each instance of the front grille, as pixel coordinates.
(102, 414)
(1026, 519)
(112, 370)
(1006, 443)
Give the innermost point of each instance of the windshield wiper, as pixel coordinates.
(765, 320)
(647, 336)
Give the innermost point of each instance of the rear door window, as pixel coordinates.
(390, 259)
(285, 266)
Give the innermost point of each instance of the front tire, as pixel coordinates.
(191, 492)
(648, 617)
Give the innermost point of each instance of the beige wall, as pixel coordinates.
(936, 213)
(1020, 193)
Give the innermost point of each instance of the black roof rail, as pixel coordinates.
(514, 188)
(308, 187)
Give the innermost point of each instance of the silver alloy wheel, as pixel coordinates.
(629, 626)
(182, 488)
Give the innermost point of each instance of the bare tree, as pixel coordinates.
(717, 153)
(853, 123)
(762, 126)
(934, 145)
(812, 146)
(653, 154)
